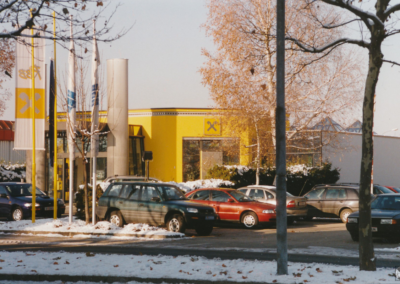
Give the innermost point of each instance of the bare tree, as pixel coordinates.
(241, 72)
(376, 24)
(7, 62)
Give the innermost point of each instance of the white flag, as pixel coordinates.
(23, 93)
(95, 96)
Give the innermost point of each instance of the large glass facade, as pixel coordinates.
(199, 155)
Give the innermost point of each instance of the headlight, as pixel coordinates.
(270, 211)
(192, 210)
(388, 221)
(30, 205)
(352, 220)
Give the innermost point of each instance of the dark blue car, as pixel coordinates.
(16, 202)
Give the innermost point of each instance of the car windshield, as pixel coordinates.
(172, 193)
(16, 190)
(240, 196)
(382, 189)
(287, 193)
(384, 202)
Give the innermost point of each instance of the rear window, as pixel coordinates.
(315, 193)
(114, 190)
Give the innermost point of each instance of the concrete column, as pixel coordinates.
(117, 117)
(40, 168)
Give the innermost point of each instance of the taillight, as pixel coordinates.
(290, 204)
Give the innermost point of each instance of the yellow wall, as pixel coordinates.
(164, 130)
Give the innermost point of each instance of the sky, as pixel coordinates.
(164, 52)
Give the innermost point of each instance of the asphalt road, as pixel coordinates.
(225, 242)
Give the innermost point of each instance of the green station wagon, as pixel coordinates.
(155, 204)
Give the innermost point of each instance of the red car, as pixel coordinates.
(234, 206)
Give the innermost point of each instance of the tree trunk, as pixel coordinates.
(86, 199)
(258, 155)
(366, 248)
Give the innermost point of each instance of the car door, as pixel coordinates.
(5, 206)
(122, 202)
(131, 204)
(331, 200)
(314, 204)
(227, 211)
(201, 196)
(149, 211)
(113, 195)
(351, 200)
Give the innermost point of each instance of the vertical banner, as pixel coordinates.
(23, 94)
(95, 118)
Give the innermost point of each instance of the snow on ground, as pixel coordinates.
(184, 267)
(202, 183)
(79, 226)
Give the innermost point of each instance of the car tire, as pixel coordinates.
(17, 214)
(250, 220)
(204, 230)
(116, 219)
(344, 214)
(176, 224)
(354, 236)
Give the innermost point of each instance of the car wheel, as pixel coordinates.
(250, 220)
(176, 224)
(354, 236)
(344, 214)
(17, 214)
(204, 230)
(116, 219)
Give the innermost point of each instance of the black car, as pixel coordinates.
(155, 204)
(16, 202)
(336, 200)
(385, 215)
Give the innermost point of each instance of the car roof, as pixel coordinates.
(128, 177)
(12, 183)
(262, 186)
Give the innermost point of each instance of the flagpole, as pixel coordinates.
(55, 121)
(33, 130)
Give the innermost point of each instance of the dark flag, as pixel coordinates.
(51, 115)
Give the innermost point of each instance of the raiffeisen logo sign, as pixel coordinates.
(212, 126)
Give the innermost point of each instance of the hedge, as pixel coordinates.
(297, 182)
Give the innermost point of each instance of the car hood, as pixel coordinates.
(39, 199)
(378, 213)
(188, 203)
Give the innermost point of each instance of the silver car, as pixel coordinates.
(296, 205)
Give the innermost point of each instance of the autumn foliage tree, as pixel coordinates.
(7, 62)
(240, 74)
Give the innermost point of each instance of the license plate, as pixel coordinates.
(374, 229)
(209, 217)
(49, 208)
(302, 203)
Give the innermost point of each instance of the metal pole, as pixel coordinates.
(280, 118)
(33, 130)
(94, 187)
(55, 121)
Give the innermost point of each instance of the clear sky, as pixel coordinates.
(164, 52)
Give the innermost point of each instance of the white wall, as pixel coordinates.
(346, 155)
(8, 155)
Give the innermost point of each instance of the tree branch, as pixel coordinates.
(391, 62)
(2, 8)
(333, 44)
(391, 10)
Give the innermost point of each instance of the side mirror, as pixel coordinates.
(3, 195)
(230, 200)
(156, 199)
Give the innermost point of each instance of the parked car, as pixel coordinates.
(16, 202)
(385, 217)
(233, 206)
(296, 206)
(336, 200)
(154, 204)
(393, 188)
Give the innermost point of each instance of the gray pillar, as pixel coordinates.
(40, 168)
(117, 117)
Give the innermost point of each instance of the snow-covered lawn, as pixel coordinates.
(79, 226)
(184, 267)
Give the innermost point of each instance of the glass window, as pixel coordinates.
(257, 194)
(239, 196)
(135, 192)
(336, 193)
(381, 189)
(269, 195)
(148, 192)
(244, 190)
(125, 191)
(2, 190)
(172, 193)
(316, 193)
(219, 196)
(212, 145)
(202, 195)
(386, 203)
(115, 190)
(22, 190)
(103, 143)
(230, 151)
(191, 160)
(136, 165)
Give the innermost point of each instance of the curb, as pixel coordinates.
(108, 279)
(71, 234)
